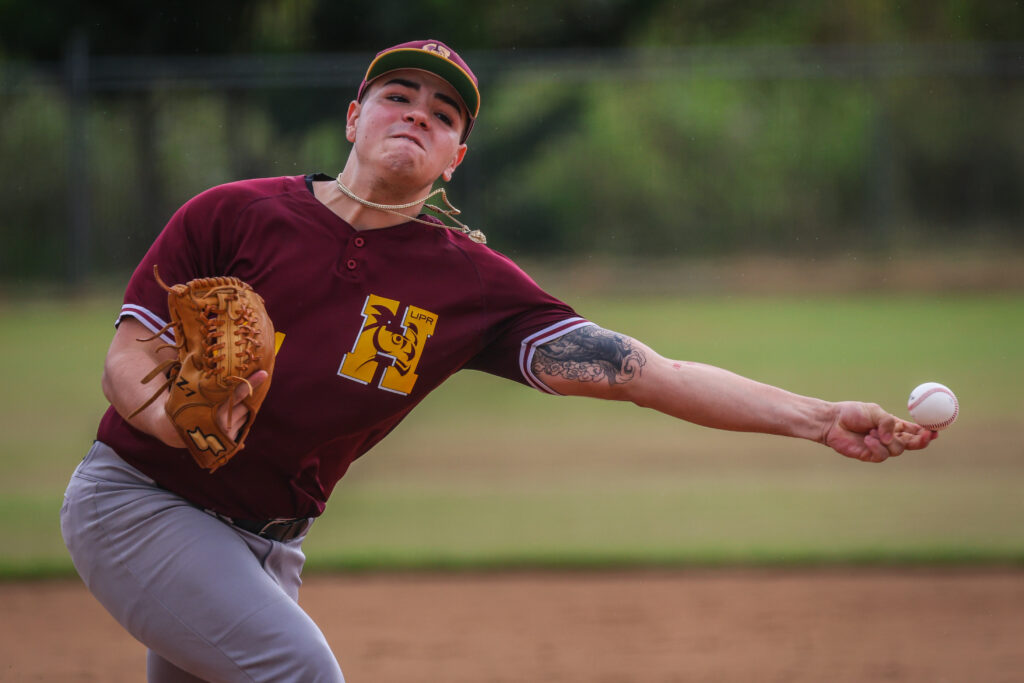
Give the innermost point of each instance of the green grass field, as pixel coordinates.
(490, 473)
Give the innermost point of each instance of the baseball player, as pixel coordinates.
(375, 304)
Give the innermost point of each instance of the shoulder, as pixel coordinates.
(480, 254)
(501, 279)
(241, 193)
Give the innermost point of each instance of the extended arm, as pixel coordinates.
(592, 361)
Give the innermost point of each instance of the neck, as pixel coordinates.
(366, 207)
(413, 205)
(366, 214)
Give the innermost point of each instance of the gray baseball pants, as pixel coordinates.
(211, 602)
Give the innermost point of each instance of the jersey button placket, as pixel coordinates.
(350, 262)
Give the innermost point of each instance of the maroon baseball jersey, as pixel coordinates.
(368, 324)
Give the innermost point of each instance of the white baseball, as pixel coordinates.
(933, 405)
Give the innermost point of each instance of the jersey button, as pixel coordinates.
(359, 241)
(351, 264)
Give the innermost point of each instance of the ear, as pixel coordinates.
(460, 154)
(351, 118)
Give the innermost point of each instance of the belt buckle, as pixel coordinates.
(295, 527)
(270, 524)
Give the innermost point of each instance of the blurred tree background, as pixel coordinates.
(609, 128)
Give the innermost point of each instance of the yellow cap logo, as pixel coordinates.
(434, 47)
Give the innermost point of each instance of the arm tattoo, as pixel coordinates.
(590, 354)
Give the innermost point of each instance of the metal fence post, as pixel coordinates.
(76, 76)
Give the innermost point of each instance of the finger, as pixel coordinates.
(919, 440)
(914, 436)
(895, 447)
(876, 451)
(232, 418)
(885, 424)
(245, 389)
(257, 378)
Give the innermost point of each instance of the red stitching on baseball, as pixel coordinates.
(933, 390)
(938, 390)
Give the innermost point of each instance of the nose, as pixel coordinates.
(417, 117)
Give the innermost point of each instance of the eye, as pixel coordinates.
(397, 98)
(444, 118)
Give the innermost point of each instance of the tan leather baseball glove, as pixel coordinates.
(222, 335)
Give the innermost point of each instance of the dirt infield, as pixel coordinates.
(729, 625)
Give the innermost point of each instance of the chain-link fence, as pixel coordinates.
(619, 153)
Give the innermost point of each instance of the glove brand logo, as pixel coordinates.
(183, 385)
(205, 442)
(389, 346)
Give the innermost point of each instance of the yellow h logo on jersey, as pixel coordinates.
(389, 346)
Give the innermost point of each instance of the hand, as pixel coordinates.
(233, 415)
(866, 432)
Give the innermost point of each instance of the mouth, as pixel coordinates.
(410, 138)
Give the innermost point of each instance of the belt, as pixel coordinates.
(281, 530)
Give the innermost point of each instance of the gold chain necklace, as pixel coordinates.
(450, 212)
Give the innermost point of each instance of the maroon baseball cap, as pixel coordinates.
(435, 57)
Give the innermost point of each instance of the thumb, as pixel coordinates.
(885, 423)
(243, 390)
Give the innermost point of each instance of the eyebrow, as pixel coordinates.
(416, 86)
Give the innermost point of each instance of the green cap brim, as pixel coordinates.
(416, 58)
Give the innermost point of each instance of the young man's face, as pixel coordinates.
(408, 125)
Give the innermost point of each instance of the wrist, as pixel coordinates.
(826, 414)
(155, 422)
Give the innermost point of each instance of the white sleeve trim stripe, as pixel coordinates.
(149, 320)
(536, 339)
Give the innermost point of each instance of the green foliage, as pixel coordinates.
(701, 166)
(962, 141)
(634, 161)
(192, 27)
(841, 22)
(32, 173)
(664, 138)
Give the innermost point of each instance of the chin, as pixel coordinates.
(404, 179)
(405, 170)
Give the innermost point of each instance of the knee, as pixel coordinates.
(312, 661)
